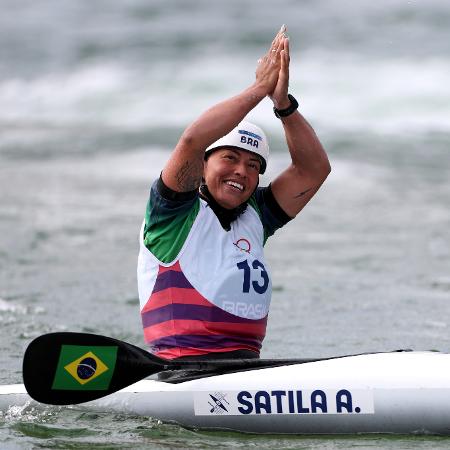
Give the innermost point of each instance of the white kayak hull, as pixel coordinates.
(406, 392)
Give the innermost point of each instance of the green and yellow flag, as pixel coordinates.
(84, 367)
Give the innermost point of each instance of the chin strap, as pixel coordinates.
(225, 216)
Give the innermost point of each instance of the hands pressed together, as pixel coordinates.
(272, 71)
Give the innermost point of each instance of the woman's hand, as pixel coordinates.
(269, 66)
(279, 95)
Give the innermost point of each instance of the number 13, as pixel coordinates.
(259, 288)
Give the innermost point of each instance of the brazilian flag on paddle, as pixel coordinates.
(68, 368)
(82, 367)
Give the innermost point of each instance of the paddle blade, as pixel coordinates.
(68, 368)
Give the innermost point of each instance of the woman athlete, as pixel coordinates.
(204, 285)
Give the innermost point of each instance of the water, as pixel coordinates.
(94, 95)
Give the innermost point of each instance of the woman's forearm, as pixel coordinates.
(307, 154)
(222, 118)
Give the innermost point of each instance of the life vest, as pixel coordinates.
(215, 295)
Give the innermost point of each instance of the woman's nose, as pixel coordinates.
(240, 169)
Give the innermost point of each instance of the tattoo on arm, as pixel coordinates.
(188, 177)
(302, 193)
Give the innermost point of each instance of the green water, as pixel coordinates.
(75, 429)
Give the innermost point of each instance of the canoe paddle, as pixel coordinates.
(69, 368)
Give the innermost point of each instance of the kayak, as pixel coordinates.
(398, 392)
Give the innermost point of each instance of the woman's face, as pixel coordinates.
(231, 176)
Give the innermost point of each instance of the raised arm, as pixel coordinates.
(183, 172)
(309, 167)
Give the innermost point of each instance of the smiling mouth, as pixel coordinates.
(235, 185)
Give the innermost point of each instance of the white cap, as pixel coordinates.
(246, 136)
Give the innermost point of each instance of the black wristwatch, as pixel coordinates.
(287, 111)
